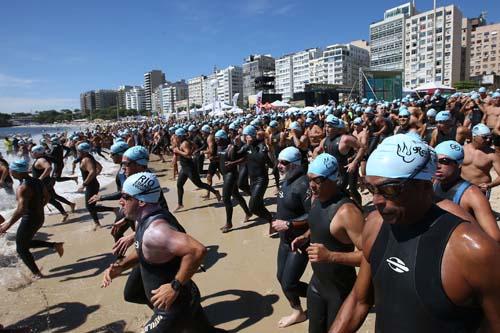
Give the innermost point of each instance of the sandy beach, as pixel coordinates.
(240, 292)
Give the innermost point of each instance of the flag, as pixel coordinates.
(235, 99)
(258, 102)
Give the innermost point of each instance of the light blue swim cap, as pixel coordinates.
(138, 154)
(451, 149)
(192, 128)
(496, 94)
(206, 129)
(295, 126)
(368, 110)
(480, 129)
(250, 130)
(443, 116)
(143, 186)
(232, 126)
(273, 124)
(180, 132)
(402, 156)
(334, 121)
(431, 113)
(482, 90)
(358, 121)
(403, 112)
(84, 147)
(221, 134)
(19, 165)
(290, 154)
(119, 148)
(324, 165)
(38, 149)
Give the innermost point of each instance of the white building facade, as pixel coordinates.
(284, 76)
(300, 68)
(195, 90)
(229, 82)
(135, 99)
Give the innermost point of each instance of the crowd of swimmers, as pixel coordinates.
(426, 243)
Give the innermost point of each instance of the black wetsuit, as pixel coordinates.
(453, 193)
(8, 182)
(214, 165)
(258, 162)
(331, 283)
(441, 137)
(199, 158)
(55, 199)
(347, 181)
(230, 176)
(406, 273)
(294, 203)
(189, 171)
(186, 312)
(91, 189)
(31, 221)
(57, 155)
(242, 170)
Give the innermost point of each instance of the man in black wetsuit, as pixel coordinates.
(89, 168)
(425, 269)
(335, 228)
(42, 169)
(57, 156)
(31, 197)
(258, 162)
(294, 203)
(348, 152)
(188, 169)
(228, 165)
(167, 259)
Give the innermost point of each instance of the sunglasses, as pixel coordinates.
(445, 161)
(285, 163)
(392, 189)
(127, 163)
(317, 180)
(442, 122)
(404, 117)
(127, 197)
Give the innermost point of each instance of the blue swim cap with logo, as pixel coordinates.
(451, 149)
(84, 147)
(443, 116)
(221, 134)
(324, 165)
(119, 148)
(138, 154)
(19, 165)
(480, 130)
(402, 156)
(38, 149)
(143, 186)
(250, 130)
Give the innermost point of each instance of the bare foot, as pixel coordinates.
(179, 207)
(73, 206)
(59, 248)
(65, 218)
(294, 318)
(247, 218)
(97, 225)
(206, 197)
(226, 228)
(37, 276)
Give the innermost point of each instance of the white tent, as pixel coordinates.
(293, 109)
(280, 104)
(308, 108)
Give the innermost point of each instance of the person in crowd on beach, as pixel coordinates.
(42, 170)
(6, 181)
(188, 168)
(228, 160)
(89, 168)
(479, 159)
(57, 156)
(96, 142)
(164, 261)
(9, 146)
(426, 270)
(258, 162)
(335, 229)
(293, 205)
(117, 151)
(446, 130)
(31, 197)
(449, 185)
(211, 154)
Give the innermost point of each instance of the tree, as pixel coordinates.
(5, 120)
(466, 85)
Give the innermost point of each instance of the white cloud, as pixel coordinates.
(12, 81)
(21, 104)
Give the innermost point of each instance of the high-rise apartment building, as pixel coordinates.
(87, 102)
(300, 68)
(339, 64)
(260, 68)
(195, 90)
(121, 98)
(284, 76)
(485, 50)
(135, 99)
(210, 86)
(387, 38)
(433, 47)
(152, 80)
(229, 82)
(172, 93)
(105, 98)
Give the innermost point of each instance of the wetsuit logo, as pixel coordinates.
(397, 265)
(136, 244)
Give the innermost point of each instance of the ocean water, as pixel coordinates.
(13, 274)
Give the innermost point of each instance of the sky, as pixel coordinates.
(51, 51)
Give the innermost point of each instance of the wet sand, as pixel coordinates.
(240, 292)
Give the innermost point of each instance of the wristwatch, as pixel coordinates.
(289, 224)
(176, 285)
